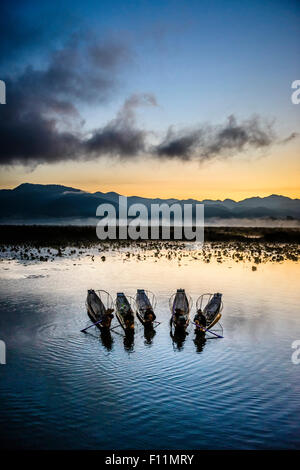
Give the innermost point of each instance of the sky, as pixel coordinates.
(151, 98)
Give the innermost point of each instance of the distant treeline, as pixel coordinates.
(50, 235)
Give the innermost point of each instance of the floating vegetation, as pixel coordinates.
(253, 246)
(254, 253)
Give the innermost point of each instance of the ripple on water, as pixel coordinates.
(87, 391)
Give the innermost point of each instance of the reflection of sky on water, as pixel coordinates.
(61, 388)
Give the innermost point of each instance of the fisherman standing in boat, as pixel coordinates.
(149, 314)
(180, 319)
(109, 316)
(200, 319)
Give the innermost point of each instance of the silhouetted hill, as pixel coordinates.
(36, 202)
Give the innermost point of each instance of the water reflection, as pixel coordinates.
(129, 342)
(178, 338)
(199, 341)
(51, 385)
(106, 340)
(149, 334)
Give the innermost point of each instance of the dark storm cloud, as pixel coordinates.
(40, 122)
(178, 144)
(83, 70)
(121, 137)
(210, 142)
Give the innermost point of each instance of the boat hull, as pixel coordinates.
(212, 310)
(180, 311)
(127, 330)
(97, 312)
(144, 309)
(217, 318)
(145, 323)
(100, 326)
(124, 314)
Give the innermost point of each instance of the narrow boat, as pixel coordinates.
(211, 311)
(180, 305)
(124, 313)
(97, 310)
(145, 307)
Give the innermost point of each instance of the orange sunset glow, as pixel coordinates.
(277, 172)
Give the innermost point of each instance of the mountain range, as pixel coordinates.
(36, 202)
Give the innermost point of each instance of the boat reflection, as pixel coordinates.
(106, 340)
(199, 341)
(149, 334)
(178, 338)
(128, 342)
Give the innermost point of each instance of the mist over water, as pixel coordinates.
(259, 222)
(209, 222)
(64, 389)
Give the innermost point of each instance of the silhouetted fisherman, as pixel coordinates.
(180, 319)
(200, 320)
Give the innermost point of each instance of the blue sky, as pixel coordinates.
(201, 60)
(206, 60)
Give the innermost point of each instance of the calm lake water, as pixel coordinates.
(62, 389)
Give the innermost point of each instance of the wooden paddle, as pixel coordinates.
(93, 324)
(208, 331)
